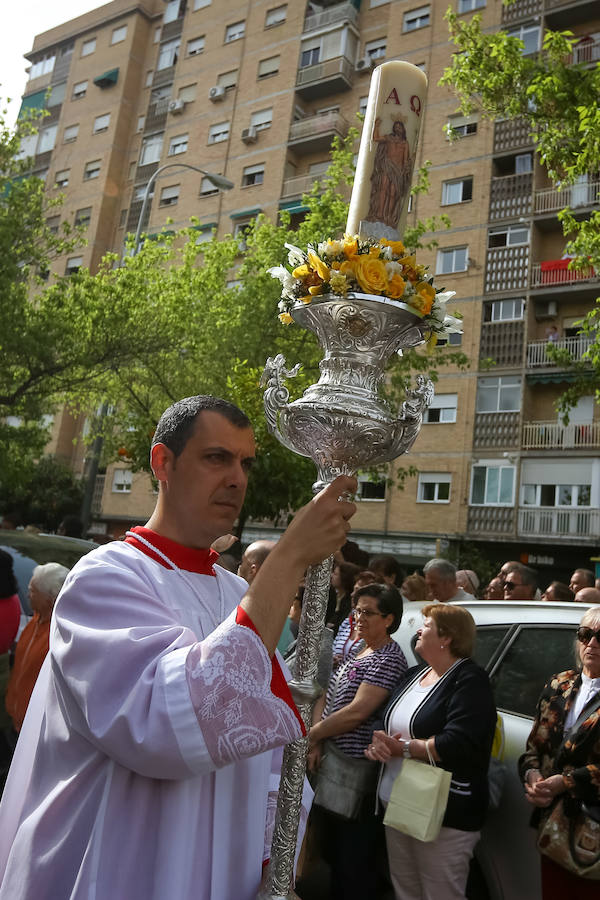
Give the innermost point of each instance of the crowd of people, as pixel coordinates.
(152, 706)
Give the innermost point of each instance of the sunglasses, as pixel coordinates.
(584, 635)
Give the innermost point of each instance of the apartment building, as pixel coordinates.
(256, 91)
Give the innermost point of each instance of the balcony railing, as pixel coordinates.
(500, 429)
(582, 194)
(537, 351)
(552, 521)
(502, 342)
(553, 435)
(520, 9)
(511, 134)
(586, 51)
(555, 272)
(331, 75)
(97, 495)
(510, 196)
(507, 268)
(316, 132)
(295, 187)
(342, 12)
(491, 520)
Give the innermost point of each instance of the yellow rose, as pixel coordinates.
(409, 264)
(375, 251)
(396, 286)
(350, 246)
(317, 264)
(285, 318)
(347, 267)
(420, 304)
(371, 274)
(397, 246)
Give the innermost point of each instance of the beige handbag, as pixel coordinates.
(419, 797)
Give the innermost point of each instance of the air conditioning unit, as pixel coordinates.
(176, 106)
(546, 309)
(250, 135)
(364, 65)
(216, 93)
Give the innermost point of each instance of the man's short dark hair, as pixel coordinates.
(389, 601)
(528, 576)
(176, 425)
(588, 576)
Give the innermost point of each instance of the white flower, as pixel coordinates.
(392, 268)
(295, 257)
(386, 253)
(330, 248)
(288, 282)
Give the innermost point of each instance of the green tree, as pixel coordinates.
(559, 102)
(46, 496)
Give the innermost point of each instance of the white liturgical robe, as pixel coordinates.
(147, 766)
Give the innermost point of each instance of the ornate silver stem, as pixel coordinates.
(343, 425)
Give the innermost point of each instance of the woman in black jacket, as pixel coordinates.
(447, 705)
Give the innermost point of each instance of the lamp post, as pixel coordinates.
(219, 181)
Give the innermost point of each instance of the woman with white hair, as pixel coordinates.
(560, 770)
(32, 647)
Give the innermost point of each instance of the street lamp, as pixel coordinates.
(219, 181)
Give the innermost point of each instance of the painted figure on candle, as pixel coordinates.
(390, 180)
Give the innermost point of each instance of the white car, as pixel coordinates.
(521, 644)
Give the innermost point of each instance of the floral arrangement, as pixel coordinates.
(366, 265)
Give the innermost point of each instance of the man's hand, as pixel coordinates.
(541, 791)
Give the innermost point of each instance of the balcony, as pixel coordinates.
(510, 196)
(97, 495)
(500, 429)
(328, 77)
(584, 193)
(554, 436)
(553, 522)
(507, 268)
(491, 520)
(556, 273)
(295, 187)
(156, 115)
(585, 52)
(502, 342)
(520, 9)
(566, 13)
(537, 351)
(315, 133)
(341, 12)
(511, 134)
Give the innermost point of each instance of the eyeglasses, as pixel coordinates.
(510, 585)
(584, 635)
(367, 613)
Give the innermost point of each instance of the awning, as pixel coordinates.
(205, 226)
(245, 213)
(294, 206)
(107, 78)
(33, 102)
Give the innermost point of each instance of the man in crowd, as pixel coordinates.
(520, 583)
(581, 578)
(440, 579)
(145, 767)
(589, 595)
(253, 558)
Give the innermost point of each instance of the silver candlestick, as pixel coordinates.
(343, 425)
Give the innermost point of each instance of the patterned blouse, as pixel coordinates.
(383, 668)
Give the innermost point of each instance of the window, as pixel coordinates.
(253, 175)
(178, 144)
(195, 46)
(123, 218)
(501, 393)
(319, 168)
(122, 479)
(52, 224)
(91, 170)
(80, 90)
(187, 93)
(149, 77)
(469, 5)
(442, 409)
(455, 259)
(101, 123)
(310, 53)
(119, 34)
(461, 126)
(509, 236)
(169, 195)
(374, 3)
(207, 188)
(523, 163)
(493, 485)
(434, 487)
(73, 265)
(451, 340)
(556, 494)
(139, 192)
(200, 4)
(262, 119)
(42, 66)
(157, 35)
(530, 35)
(151, 149)
(267, 67)
(218, 133)
(47, 139)
(140, 123)
(161, 93)
(228, 80)
(376, 49)
(417, 18)
(61, 179)
(235, 32)
(57, 94)
(28, 145)
(504, 310)
(276, 16)
(83, 216)
(171, 12)
(71, 133)
(362, 105)
(370, 488)
(457, 191)
(168, 54)
(241, 230)
(205, 234)
(88, 47)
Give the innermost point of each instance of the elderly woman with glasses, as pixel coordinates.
(560, 770)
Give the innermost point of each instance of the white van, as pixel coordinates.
(521, 644)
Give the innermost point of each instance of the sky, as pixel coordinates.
(21, 21)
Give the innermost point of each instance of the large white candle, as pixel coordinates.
(387, 151)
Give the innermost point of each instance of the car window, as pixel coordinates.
(487, 642)
(537, 653)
